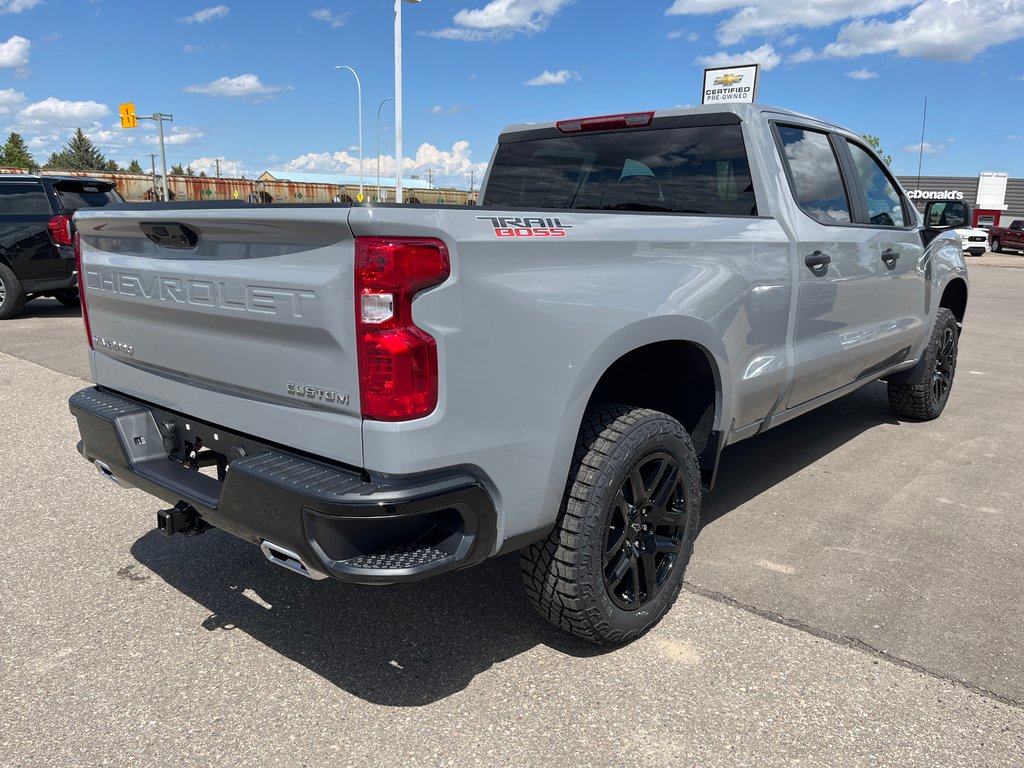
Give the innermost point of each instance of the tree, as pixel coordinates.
(111, 166)
(14, 153)
(134, 167)
(189, 171)
(176, 170)
(80, 154)
(876, 144)
(202, 174)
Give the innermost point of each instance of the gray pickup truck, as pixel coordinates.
(380, 393)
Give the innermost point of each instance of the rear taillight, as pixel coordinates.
(605, 122)
(81, 288)
(397, 360)
(60, 229)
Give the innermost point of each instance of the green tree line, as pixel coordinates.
(79, 154)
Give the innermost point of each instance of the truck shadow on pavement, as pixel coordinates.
(414, 644)
(48, 308)
(401, 645)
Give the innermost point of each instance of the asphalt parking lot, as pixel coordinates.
(854, 599)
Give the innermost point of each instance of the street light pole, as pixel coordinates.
(359, 97)
(385, 101)
(398, 97)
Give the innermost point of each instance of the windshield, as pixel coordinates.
(675, 170)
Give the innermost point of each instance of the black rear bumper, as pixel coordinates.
(342, 522)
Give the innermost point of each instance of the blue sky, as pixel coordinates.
(253, 82)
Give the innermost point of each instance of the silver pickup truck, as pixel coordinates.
(381, 393)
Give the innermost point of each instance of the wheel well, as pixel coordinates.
(954, 298)
(674, 377)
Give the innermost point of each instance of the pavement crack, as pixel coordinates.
(849, 642)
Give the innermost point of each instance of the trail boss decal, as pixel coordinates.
(526, 226)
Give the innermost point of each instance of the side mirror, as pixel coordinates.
(940, 215)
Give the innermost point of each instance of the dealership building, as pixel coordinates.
(995, 198)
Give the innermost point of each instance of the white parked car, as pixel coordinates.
(974, 240)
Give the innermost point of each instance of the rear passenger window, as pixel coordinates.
(23, 199)
(882, 199)
(814, 171)
(699, 169)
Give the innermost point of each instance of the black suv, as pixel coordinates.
(37, 255)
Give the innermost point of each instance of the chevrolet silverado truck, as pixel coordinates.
(379, 393)
(1011, 237)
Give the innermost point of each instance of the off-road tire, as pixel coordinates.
(922, 392)
(12, 295)
(997, 247)
(632, 501)
(69, 297)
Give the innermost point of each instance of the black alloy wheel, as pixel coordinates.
(922, 392)
(613, 565)
(945, 364)
(645, 533)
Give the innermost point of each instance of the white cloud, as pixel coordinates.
(188, 48)
(862, 74)
(926, 148)
(500, 19)
(679, 34)
(55, 114)
(17, 6)
(802, 56)
(750, 18)
(789, 41)
(326, 16)
(765, 56)
(940, 30)
(10, 100)
(243, 85)
(561, 77)
(446, 167)
(14, 53)
(207, 14)
(208, 165)
(178, 135)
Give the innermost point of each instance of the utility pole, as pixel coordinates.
(152, 164)
(216, 162)
(160, 117)
(430, 181)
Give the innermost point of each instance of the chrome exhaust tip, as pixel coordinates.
(104, 471)
(288, 559)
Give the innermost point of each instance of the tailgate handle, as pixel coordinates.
(169, 234)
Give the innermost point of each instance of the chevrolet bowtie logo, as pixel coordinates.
(728, 79)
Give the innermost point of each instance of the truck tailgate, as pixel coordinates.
(241, 317)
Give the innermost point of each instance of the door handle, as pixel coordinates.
(889, 255)
(818, 262)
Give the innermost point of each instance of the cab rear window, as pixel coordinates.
(702, 170)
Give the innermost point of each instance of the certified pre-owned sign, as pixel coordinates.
(730, 84)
